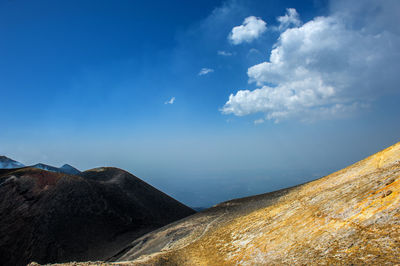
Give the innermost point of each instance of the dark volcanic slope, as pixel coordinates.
(54, 217)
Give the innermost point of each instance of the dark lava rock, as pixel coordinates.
(50, 217)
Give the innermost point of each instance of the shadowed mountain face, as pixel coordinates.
(349, 217)
(55, 217)
(7, 163)
(68, 169)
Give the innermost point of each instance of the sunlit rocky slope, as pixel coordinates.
(349, 217)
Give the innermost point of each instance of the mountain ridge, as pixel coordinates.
(66, 168)
(7, 163)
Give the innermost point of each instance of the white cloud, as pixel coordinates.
(224, 53)
(205, 71)
(291, 18)
(259, 121)
(254, 51)
(170, 101)
(328, 67)
(250, 30)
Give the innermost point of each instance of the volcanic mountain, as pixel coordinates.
(52, 217)
(66, 168)
(351, 217)
(8, 163)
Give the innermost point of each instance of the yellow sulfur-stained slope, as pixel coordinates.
(351, 216)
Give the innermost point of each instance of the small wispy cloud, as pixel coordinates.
(259, 121)
(254, 51)
(205, 71)
(224, 53)
(170, 101)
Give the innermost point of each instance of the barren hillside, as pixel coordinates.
(351, 216)
(52, 217)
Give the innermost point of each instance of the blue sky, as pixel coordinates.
(266, 94)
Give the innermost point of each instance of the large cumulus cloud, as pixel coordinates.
(328, 67)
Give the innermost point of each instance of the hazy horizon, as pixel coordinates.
(206, 101)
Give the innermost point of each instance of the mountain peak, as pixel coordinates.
(66, 168)
(70, 169)
(7, 163)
